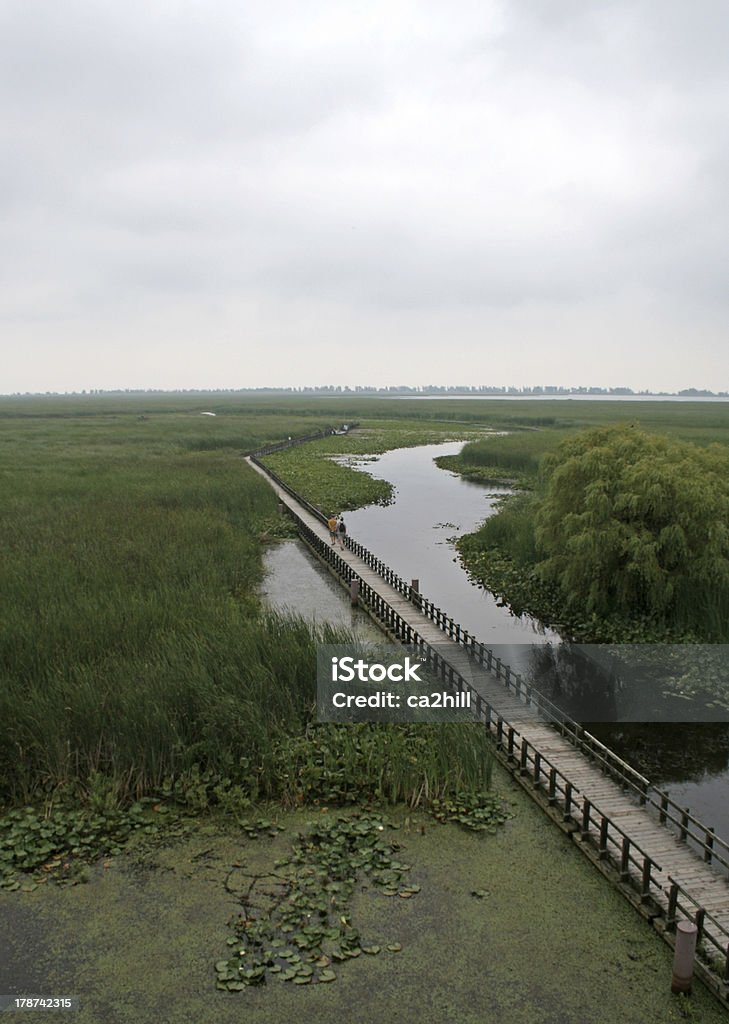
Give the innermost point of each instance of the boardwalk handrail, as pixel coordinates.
(634, 865)
(312, 509)
(292, 442)
(699, 916)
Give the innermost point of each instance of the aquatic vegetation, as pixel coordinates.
(302, 925)
(58, 844)
(320, 474)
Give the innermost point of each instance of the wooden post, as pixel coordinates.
(664, 808)
(603, 837)
(709, 845)
(645, 890)
(354, 591)
(567, 802)
(625, 860)
(684, 824)
(672, 906)
(683, 958)
(586, 807)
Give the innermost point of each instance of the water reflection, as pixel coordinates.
(296, 582)
(666, 752)
(633, 682)
(413, 536)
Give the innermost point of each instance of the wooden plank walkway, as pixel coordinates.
(670, 858)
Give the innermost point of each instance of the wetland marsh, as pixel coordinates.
(144, 684)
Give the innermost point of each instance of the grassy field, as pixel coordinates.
(131, 558)
(133, 649)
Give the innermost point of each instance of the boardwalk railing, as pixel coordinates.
(292, 442)
(682, 905)
(687, 826)
(636, 869)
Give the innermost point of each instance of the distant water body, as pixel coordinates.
(573, 398)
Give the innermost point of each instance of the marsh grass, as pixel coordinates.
(516, 454)
(135, 658)
(415, 764)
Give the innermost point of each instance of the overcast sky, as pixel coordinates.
(240, 194)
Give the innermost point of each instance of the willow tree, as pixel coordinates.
(638, 524)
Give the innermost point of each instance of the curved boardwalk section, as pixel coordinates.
(663, 859)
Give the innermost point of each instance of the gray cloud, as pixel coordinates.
(491, 167)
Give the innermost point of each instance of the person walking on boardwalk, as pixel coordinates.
(342, 530)
(332, 524)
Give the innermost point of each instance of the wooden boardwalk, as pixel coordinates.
(666, 876)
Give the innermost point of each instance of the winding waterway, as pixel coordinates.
(414, 536)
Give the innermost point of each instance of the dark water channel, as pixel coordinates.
(414, 536)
